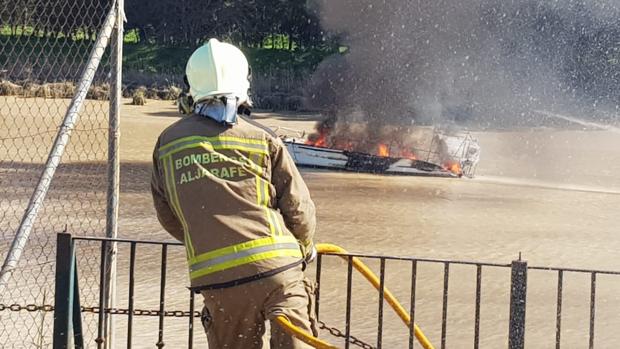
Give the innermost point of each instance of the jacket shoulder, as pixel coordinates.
(165, 135)
(196, 125)
(263, 132)
(252, 124)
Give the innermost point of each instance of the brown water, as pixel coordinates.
(551, 195)
(473, 220)
(478, 219)
(547, 194)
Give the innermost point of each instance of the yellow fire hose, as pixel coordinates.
(374, 280)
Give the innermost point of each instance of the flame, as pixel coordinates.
(383, 150)
(454, 167)
(319, 141)
(323, 138)
(344, 145)
(407, 154)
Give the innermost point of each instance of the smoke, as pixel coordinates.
(487, 61)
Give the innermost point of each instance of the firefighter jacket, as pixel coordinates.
(234, 196)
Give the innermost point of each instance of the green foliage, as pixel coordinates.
(156, 58)
(153, 58)
(299, 60)
(29, 31)
(281, 24)
(132, 36)
(54, 47)
(161, 35)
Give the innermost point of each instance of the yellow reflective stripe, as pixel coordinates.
(169, 180)
(243, 254)
(211, 146)
(270, 240)
(250, 166)
(259, 199)
(211, 139)
(243, 140)
(263, 193)
(246, 260)
(218, 142)
(174, 201)
(262, 188)
(276, 221)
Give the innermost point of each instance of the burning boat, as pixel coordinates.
(447, 155)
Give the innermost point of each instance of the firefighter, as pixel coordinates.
(228, 188)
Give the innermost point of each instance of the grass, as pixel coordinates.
(153, 58)
(28, 31)
(24, 48)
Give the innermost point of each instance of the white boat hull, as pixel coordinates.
(311, 156)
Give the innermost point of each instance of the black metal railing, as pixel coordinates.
(559, 298)
(68, 309)
(518, 299)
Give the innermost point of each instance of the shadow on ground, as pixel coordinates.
(74, 177)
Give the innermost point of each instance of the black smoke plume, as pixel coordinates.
(488, 61)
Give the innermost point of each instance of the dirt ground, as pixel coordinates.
(550, 194)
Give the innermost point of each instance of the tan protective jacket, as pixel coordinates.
(235, 198)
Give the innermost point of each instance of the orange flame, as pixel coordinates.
(319, 141)
(454, 167)
(383, 150)
(323, 138)
(407, 154)
(344, 145)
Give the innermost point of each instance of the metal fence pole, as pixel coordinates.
(55, 154)
(317, 294)
(162, 296)
(518, 291)
(192, 304)
(592, 309)
(113, 167)
(101, 338)
(347, 330)
(63, 298)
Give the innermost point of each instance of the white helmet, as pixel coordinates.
(218, 69)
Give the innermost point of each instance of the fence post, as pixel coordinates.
(518, 291)
(116, 46)
(78, 335)
(63, 298)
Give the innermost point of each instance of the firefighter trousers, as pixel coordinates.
(235, 317)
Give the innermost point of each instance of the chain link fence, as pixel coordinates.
(44, 51)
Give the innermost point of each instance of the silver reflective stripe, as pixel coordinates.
(243, 254)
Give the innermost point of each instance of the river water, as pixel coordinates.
(550, 195)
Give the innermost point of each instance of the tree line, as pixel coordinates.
(286, 24)
(245, 22)
(591, 65)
